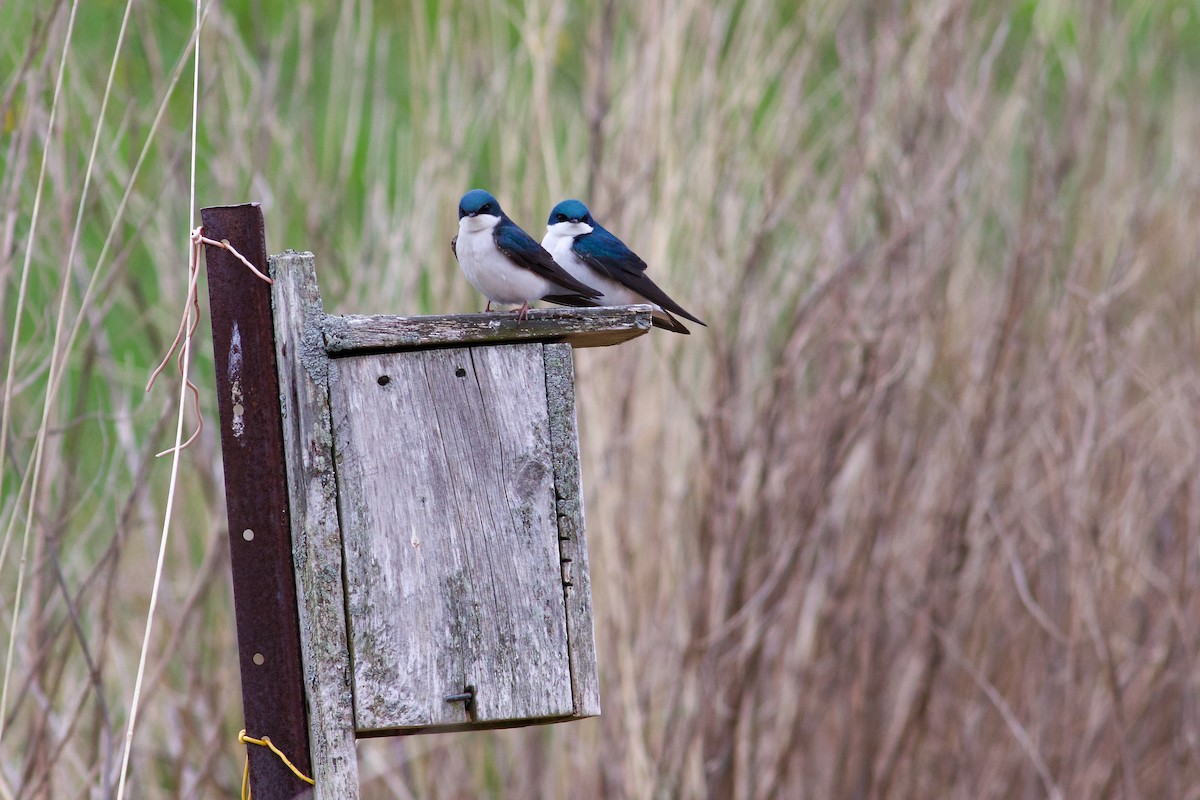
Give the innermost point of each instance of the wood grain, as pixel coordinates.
(450, 522)
(572, 543)
(303, 368)
(581, 327)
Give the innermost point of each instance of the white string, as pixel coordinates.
(92, 282)
(119, 214)
(162, 550)
(195, 120)
(8, 379)
(193, 267)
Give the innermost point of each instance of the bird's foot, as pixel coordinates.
(523, 312)
(488, 307)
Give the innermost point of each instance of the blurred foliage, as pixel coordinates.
(914, 516)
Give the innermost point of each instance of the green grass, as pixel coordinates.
(913, 517)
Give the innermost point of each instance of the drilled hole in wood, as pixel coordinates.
(248, 535)
(384, 380)
(259, 659)
(238, 409)
(460, 373)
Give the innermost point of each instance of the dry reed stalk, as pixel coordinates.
(914, 517)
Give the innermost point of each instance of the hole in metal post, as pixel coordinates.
(460, 373)
(384, 380)
(248, 535)
(238, 409)
(259, 659)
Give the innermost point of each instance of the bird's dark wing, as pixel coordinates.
(454, 246)
(662, 319)
(609, 256)
(525, 252)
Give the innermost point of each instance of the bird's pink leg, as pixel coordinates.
(523, 313)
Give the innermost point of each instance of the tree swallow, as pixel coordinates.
(592, 254)
(504, 262)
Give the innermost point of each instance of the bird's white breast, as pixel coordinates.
(558, 240)
(489, 270)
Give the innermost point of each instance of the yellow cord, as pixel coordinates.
(266, 742)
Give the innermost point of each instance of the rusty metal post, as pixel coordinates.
(264, 588)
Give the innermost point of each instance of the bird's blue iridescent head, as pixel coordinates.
(570, 211)
(476, 202)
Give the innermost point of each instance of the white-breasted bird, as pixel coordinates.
(594, 256)
(504, 262)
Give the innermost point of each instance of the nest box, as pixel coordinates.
(433, 513)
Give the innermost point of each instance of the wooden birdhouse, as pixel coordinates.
(433, 512)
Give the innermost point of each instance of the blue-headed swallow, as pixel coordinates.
(593, 255)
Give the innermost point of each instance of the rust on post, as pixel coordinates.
(264, 588)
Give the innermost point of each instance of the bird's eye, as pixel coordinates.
(486, 207)
(562, 217)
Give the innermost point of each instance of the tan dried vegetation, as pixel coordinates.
(916, 516)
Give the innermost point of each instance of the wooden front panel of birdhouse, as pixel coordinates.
(455, 578)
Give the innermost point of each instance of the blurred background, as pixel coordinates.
(915, 516)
